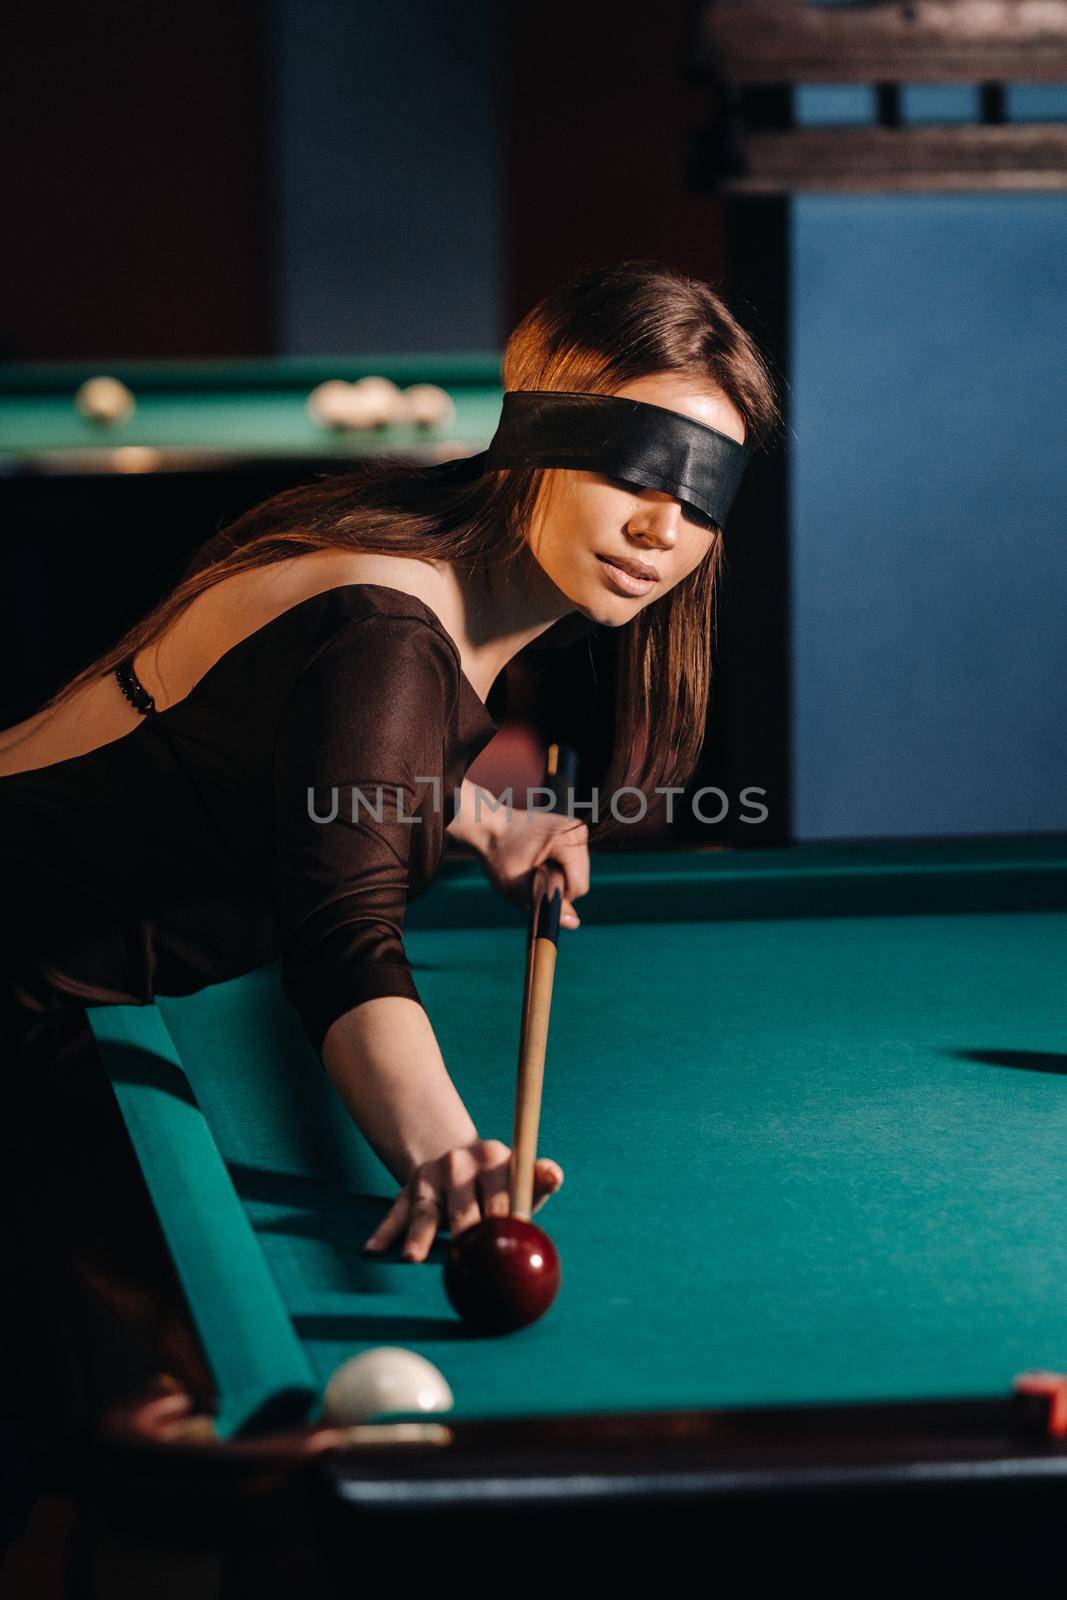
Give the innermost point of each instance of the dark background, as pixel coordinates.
(250, 179)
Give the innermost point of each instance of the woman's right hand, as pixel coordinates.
(454, 1191)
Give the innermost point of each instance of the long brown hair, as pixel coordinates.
(600, 331)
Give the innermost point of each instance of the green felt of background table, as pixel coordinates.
(808, 1158)
(251, 408)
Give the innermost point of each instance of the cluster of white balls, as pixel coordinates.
(377, 403)
(368, 403)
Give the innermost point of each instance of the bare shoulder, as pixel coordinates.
(171, 666)
(239, 605)
(96, 714)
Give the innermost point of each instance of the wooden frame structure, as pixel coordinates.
(755, 52)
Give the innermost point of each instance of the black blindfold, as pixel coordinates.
(646, 445)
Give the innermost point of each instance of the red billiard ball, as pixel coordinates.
(502, 1274)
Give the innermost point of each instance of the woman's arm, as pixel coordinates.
(385, 1064)
(367, 712)
(478, 818)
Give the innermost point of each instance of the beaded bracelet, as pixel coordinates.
(133, 689)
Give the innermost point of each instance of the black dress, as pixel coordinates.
(290, 805)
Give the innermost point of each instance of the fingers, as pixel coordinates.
(392, 1224)
(548, 1178)
(576, 859)
(568, 847)
(416, 1212)
(533, 842)
(427, 1214)
(456, 1191)
(461, 1197)
(496, 1201)
(493, 1184)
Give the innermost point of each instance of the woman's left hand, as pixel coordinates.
(522, 842)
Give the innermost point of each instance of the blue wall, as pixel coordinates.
(387, 153)
(929, 512)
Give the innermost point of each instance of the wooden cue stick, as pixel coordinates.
(546, 903)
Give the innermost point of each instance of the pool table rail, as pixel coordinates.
(901, 877)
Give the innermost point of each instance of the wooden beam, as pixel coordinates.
(901, 41)
(972, 157)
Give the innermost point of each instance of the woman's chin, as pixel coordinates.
(595, 601)
(607, 611)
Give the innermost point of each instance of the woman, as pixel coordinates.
(209, 794)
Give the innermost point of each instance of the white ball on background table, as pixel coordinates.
(105, 399)
(384, 401)
(328, 403)
(428, 406)
(381, 1381)
(361, 409)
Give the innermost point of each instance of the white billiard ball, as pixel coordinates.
(105, 400)
(328, 403)
(382, 1381)
(362, 409)
(428, 406)
(384, 402)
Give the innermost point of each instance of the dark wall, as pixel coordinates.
(601, 110)
(386, 151)
(321, 176)
(132, 183)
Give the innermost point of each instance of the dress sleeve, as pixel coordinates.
(360, 743)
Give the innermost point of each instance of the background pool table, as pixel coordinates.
(227, 412)
(115, 512)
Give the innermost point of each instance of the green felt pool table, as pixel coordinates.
(812, 1108)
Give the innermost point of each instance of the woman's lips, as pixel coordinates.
(625, 582)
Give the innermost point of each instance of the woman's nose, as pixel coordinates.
(659, 529)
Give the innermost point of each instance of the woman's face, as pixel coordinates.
(613, 547)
